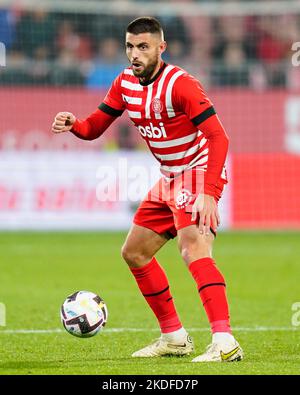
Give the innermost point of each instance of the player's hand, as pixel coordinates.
(63, 122)
(206, 207)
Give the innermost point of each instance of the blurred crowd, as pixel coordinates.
(61, 49)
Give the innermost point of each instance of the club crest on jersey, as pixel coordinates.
(157, 105)
(153, 131)
(183, 198)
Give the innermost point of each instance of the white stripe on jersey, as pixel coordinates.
(132, 100)
(179, 169)
(134, 114)
(173, 169)
(174, 142)
(169, 107)
(128, 72)
(202, 142)
(178, 155)
(200, 156)
(202, 160)
(199, 160)
(200, 167)
(148, 101)
(160, 86)
(130, 85)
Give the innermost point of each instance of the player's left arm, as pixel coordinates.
(206, 205)
(198, 107)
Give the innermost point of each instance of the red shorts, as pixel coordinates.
(168, 205)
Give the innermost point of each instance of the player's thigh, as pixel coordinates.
(141, 245)
(193, 245)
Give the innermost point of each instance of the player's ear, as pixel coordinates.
(162, 46)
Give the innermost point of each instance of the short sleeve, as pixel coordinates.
(191, 99)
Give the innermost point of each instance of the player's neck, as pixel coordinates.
(156, 73)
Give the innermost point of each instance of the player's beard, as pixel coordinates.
(147, 72)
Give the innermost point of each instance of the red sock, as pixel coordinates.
(211, 287)
(153, 284)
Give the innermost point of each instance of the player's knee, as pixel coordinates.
(194, 248)
(133, 257)
(126, 253)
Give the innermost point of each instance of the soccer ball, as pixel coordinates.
(83, 314)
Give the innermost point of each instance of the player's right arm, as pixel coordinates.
(88, 129)
(96, 123)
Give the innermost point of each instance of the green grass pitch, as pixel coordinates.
(38, 270)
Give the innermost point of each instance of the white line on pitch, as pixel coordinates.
(117, 330)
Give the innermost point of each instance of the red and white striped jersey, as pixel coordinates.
(168, 113)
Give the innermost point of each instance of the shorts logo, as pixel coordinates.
(183, 198)
(157, 105)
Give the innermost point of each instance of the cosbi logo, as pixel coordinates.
(153, 131)
(183, 199)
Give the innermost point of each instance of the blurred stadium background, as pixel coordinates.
(63, 56)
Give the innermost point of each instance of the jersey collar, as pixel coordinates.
(155, 77)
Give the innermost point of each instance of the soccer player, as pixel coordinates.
(180, 126)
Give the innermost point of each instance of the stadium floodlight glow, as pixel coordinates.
(2, 55)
